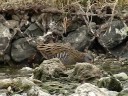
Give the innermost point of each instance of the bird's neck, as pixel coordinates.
(79, 56)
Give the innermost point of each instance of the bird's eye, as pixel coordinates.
(90, 59)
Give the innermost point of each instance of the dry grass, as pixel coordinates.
(64, 4)
(55, 3)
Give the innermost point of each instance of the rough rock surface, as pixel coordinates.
(108, 92)
(115, 35)
(125, 84)
(123, 92)
(121, 51)
(113, 65)
(121, 76)
(26, 86)
(37, 91)
(111, 83)
(5, 37)
(79, 39)
(85, 72)
(26, 70)
(87, 89)
(33, 30)
(21, 50)
(57, 87)
(49, 69)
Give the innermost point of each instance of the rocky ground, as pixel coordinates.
(52, 78)
(102, 31)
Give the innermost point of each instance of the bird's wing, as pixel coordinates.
(53, 50)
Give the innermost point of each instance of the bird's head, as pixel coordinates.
(88, 57)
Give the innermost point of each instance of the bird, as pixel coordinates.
(66, 53)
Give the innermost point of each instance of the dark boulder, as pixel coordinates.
(85, 72)
(115, 35)
(79, 39)
(49, 69)
(33, 30)
(5, 38)
(22, 50)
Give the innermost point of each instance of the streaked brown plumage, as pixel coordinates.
(64, 52)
